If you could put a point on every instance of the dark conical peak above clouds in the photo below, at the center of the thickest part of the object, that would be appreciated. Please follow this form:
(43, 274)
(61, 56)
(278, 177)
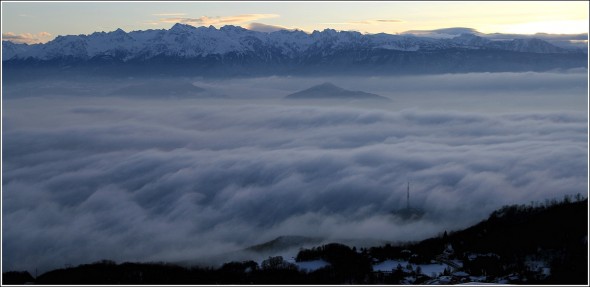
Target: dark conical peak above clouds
(330, 91)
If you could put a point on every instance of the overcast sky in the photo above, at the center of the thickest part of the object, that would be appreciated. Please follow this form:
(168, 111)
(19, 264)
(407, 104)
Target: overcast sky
(42, 21)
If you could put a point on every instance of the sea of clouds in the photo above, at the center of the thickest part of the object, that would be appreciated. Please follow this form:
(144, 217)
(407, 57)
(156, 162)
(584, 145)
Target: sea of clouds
(107, 177)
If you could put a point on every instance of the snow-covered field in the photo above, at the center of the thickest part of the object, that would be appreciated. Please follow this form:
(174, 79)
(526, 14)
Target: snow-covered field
(426, 269)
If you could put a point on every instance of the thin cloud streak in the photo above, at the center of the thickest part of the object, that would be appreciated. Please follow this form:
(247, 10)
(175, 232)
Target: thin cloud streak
(378, 21)
(367, 22)
(205, 20)
(27, 38)
(260, 27)
(169, 14)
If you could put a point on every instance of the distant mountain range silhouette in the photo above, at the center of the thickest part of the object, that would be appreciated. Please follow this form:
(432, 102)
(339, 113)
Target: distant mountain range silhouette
(235, 51)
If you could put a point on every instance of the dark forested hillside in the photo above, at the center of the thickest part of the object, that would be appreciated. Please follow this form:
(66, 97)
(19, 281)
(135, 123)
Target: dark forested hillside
(519, 244)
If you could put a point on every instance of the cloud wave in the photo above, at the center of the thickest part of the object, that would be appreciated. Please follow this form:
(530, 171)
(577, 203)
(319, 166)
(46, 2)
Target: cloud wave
(89, 178)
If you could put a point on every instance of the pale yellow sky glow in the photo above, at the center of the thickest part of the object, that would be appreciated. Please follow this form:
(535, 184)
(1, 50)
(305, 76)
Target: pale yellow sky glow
(551, 27)
(524, 17)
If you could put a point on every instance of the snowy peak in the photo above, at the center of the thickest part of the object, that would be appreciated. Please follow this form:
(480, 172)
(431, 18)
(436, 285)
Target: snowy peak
(185, 49)
(187, 41)
(11, 50)
(232, 29)
(471, 41)
(181, 28)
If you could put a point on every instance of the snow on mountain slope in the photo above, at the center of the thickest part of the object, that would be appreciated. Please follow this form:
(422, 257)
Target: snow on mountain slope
(11, 50)
(186, 41)
(532, 46)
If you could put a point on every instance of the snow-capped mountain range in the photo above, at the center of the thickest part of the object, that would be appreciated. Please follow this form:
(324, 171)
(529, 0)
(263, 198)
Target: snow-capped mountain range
(187, 41)
(232, 45)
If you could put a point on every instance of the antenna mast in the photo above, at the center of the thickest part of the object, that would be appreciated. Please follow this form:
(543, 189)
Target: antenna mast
(408, 197)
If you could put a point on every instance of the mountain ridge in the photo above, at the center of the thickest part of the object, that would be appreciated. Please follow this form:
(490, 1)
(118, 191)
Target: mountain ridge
(181, 40)
(233, 50)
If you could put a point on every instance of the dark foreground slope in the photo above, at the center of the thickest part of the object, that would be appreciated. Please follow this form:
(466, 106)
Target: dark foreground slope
(501, 249)
(553, 236)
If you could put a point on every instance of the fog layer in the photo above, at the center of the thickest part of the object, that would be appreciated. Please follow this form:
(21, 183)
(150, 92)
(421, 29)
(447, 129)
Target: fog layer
(129, 179)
